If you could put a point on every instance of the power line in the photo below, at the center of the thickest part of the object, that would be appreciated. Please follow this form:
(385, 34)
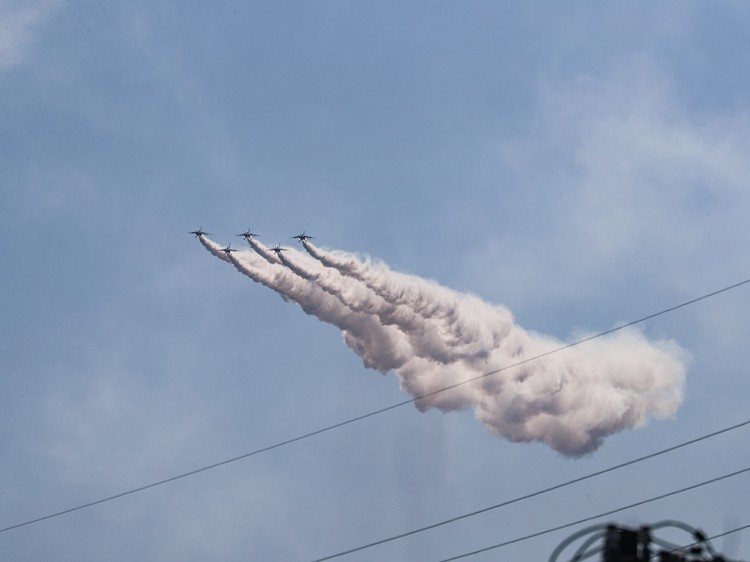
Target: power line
(702, 541)
(725, 533)
(534, 494)
(712, 537)
(597, 516)
(369, 414)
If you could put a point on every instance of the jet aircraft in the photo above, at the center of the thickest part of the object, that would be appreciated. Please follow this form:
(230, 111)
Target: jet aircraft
(247, 235)
(302, 237)
(278, 249)
(228, 250)
(199, 232)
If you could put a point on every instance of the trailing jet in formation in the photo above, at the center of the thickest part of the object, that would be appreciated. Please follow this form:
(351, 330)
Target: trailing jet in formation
(302, 237)
(199, 232)
(278, 249)
(247, 235)
(228, 250)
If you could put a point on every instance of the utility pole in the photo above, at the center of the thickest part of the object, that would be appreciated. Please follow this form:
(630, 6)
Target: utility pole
(627, 545)
(617, 543)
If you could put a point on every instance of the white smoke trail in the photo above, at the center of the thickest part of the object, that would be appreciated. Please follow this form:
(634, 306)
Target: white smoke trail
(380, 347)
(264, 252)
(215, 249)
(570, 400)
(426, 337)
(456, 315)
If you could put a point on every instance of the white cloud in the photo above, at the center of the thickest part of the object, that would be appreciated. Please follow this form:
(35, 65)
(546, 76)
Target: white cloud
(19, 24)
(627, 178)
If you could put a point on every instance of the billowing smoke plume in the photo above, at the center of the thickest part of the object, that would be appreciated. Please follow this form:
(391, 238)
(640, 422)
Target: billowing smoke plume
(434, 338)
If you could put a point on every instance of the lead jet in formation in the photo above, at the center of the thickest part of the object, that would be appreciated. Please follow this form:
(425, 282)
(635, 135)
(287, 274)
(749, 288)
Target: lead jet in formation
(199, 232)
(302, 237)
(247, 235)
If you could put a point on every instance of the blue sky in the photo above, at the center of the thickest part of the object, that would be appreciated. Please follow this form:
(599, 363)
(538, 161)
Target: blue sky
(583, 166)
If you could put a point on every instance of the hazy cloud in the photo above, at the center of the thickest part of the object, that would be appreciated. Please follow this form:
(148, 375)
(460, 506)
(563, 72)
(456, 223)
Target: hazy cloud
(19, 25)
